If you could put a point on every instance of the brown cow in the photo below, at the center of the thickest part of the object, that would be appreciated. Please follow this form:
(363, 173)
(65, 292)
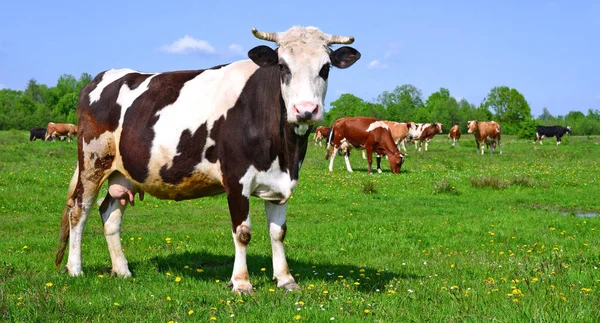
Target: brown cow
(399, 132)
(454, 134)
(321, 133)
(486, 133)
(61, 129)
(428, 133)
(364, 133)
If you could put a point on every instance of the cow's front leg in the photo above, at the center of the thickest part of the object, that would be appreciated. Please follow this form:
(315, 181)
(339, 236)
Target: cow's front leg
(347, 159)
(277, 230)
(241, 230)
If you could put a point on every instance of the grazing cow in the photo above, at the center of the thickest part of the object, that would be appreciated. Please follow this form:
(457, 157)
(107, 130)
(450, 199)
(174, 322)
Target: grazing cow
(550, 131)
(419, 132)
(454, 134)
(61, 129)
(240, 129)
(363, 133)
(321, 133)
(486, 133)
(399, 132)
(37, 133)
(428, 133)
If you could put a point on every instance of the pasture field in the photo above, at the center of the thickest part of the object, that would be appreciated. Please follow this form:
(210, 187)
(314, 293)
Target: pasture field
(455, 237)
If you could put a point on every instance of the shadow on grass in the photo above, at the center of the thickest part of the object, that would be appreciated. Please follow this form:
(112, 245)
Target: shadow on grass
(219, 266)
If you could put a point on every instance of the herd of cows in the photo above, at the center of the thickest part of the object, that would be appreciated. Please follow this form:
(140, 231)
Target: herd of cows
(386, 138)
(64, 131)
(241, 129)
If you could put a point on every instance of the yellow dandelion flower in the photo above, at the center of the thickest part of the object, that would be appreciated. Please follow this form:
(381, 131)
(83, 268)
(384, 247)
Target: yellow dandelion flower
(271, 290)
(177, 279)
(25, 247)
(49, 284)
(168, 274)
(200, 270)
(297, 317)
(452, 266)
(263, 269)
(301, 302)
(325, 292)
(534, 279)
(190, 312)
(367, 311)
(217, 281)
(168, 298)
(213, 318)
(356, 283)
(116, 304)
(516, 300)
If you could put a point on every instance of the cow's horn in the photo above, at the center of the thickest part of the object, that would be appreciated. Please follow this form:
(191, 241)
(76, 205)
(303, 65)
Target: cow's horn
(265, 35)
(341, 40)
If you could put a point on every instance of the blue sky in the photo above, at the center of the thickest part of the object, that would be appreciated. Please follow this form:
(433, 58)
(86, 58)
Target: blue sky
(548, 50)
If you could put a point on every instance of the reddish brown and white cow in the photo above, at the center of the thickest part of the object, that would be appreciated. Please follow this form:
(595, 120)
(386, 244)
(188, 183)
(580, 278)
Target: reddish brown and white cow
(60, 129)
(399, 132)
(419, 132)
(322, 132)
(486, 133)
(363, 133)
(454, 134)
(239, 129)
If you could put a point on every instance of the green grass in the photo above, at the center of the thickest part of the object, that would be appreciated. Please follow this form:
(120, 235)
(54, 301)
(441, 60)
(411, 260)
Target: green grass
(438, 242)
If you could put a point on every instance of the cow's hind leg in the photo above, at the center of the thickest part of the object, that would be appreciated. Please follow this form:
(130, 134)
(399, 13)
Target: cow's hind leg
(120, 192)
(79, 205)
(276, 221)
(347, 159)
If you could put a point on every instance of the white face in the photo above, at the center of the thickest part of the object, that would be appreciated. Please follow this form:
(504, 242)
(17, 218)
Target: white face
(304, 73)
(472, 124)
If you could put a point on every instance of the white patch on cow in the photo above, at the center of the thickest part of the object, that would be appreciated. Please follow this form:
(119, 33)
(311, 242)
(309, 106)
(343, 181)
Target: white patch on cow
(127, 95)
(377, 124)
(272, 185)
(301, 129)
(108, 77)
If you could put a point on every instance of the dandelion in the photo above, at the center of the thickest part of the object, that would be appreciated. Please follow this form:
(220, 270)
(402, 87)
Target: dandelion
(301, 303)
(297, 317)
(49, 284)
(271, 290)
(213, 318)
(25, 247)
(116, 304)
(356, 283)
(367, 311)
(190, 312)
(516, 300)
(452, 266)
(168, 298)
(263, 269)
(534, 279)
(325, 292)
(177, 279)
(200, 270)
(217, 281)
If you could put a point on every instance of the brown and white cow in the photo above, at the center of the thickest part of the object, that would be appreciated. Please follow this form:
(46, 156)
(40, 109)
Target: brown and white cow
(399, 132)
(322, 132)
(60, 129)
(239, 129)
(363, 133)
(454, 134)
(419, 132)
(486, 133)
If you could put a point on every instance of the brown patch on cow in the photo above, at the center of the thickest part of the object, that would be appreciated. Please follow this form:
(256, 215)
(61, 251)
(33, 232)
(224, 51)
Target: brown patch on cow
(104, 162)
(198, 184)
(283, 232)
(243, 234)
(189, 154)
(75, 215)
(140, 118)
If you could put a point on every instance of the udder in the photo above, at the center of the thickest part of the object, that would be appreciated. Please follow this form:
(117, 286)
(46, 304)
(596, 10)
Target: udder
(122, 189)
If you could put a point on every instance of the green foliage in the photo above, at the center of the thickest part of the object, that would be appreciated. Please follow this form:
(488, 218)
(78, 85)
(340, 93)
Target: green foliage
(509, 105)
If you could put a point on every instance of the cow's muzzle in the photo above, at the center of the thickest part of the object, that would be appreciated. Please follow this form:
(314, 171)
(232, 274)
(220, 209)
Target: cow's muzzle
(306, 112)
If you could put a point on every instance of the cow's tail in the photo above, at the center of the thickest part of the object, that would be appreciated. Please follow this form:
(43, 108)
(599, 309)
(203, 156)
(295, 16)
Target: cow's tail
(63, 236)
(329, 144)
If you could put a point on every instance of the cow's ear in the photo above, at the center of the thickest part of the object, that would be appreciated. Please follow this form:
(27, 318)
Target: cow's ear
(263, 56)
(344, 57)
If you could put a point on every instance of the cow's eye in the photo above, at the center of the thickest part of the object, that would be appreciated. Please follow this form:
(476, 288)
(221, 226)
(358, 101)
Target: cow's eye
(324, 72)
(284, 68)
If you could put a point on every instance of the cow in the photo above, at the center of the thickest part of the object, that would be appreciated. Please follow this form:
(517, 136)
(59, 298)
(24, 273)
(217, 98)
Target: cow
(37, 133)
(241, 129)
(322, 132)
(550, 131)
(419, 132)
(399, 132)
(61, 129)
(454, 134)
(363, 133)
(486, 132)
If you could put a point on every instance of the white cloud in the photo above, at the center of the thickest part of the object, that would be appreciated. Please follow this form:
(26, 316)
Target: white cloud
(237, 50)
(377, 65)
(188, 45)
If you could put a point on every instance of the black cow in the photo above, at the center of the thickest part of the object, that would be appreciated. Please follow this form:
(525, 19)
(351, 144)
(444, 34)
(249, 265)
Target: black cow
(239, 129)
(37, 133)
(550, 131)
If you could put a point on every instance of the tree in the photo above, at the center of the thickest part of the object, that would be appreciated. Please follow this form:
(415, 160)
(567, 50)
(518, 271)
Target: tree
(546, 116)
(347, 105)
(401, 103)
(442, 108)
(509, 105)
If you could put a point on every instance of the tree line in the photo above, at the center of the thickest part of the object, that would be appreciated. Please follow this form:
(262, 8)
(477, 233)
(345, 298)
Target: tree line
(38, 104)
(503, 104)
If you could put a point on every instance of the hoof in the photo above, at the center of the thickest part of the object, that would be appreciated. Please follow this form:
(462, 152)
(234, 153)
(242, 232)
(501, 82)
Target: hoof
(125, 274)
(242, 288)
(290, 286)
